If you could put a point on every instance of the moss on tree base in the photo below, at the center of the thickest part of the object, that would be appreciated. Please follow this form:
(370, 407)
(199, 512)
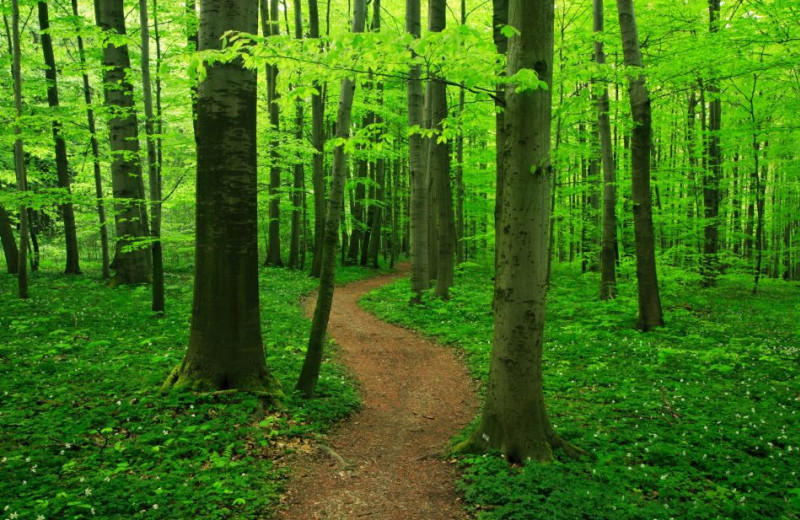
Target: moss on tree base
(263, 384)
(540, 451)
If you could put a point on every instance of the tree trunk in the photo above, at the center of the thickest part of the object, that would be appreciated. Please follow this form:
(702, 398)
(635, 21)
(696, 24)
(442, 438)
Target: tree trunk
(62, 163)
(19, 154)
(500, 20)
(608, 241)
(271, 27)
(152, 164)
(514, 420)
(10, 249)
(318, 141)
(132, 262)
(298, 173)
(98, 176)
(650, 314)
(225, 346)
(309, 374)
(420, 273)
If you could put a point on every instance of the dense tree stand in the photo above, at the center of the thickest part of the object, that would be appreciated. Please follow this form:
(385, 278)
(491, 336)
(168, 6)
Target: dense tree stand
(225, 346)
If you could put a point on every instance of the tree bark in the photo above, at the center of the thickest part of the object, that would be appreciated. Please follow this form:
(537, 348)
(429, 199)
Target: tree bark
(299, 172)
(10, 249)
(271, 27)
(318, 141)
(514, 420)
(225, 346)
(650, 314)
(420, 274)
(62, 163)
(19, 154)
(709, 262)
(309, 374)
(132, 262)
(608, 241)
(154, 175)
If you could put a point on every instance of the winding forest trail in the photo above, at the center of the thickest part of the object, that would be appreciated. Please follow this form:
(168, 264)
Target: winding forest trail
(380, 464)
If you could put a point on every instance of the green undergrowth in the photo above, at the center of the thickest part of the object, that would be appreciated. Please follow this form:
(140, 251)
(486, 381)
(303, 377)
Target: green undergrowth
(85, 432)
(699, 419)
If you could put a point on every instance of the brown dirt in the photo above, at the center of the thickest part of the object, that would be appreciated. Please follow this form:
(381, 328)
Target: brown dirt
(382, 463)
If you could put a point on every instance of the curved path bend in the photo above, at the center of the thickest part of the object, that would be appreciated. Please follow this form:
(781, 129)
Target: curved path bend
(380, 464)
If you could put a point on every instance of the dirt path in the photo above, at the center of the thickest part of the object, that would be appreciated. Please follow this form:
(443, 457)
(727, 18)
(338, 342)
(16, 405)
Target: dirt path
(416, 396)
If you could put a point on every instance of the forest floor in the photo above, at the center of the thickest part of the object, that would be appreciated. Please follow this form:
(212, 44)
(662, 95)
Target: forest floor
(384, 463)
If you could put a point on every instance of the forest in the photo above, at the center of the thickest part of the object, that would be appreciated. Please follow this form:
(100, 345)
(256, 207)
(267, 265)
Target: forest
(507, 259)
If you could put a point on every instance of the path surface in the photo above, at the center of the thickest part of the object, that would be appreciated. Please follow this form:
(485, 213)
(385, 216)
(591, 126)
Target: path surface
(416, 396)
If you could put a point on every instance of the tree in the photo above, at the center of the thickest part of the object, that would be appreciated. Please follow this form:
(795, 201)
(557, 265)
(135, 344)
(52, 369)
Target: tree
(10, 250)
(650, 314)
(419, 211)
(514, 419)
(225, 347)
(442, 237)
(709, 263)
(309, 375)
(318, 141)
(132, 261)
(98, 177)
(153, 166)
(19, 153)
(62, 163)
(270, 26)
(298, 179)
(608, 241)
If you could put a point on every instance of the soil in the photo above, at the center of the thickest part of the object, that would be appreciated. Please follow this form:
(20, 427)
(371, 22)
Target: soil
(383, 463)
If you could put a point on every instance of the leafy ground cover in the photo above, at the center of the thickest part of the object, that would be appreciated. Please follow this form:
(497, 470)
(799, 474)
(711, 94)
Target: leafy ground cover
(696, 420)
(85, 432)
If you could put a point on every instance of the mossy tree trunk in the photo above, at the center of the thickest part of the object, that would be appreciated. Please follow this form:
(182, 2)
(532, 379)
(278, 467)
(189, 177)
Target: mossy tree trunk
(62, 163)
(309, 375)
(225, 345)
(132, 262)
(514, 420)
(650, 314)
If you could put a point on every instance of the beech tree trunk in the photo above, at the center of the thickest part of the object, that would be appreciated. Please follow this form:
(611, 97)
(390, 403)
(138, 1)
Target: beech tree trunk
(309, 374)
(19, 154)
(132, 262)
(225, 346)
(650, 314)
(98, 176)
(62, 163)
(420, 274)
(514, 420)
(709, 262)
(271, 27)
(318, 141)
(153, 166)
(298, 173)
(10, 249)
(439, 167)
(608, 240)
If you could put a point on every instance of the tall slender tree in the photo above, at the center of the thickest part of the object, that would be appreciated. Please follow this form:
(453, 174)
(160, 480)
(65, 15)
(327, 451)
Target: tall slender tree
(650, 314)
(98, 174)
(309, 375)
(225, 346)
(153, 164)
(419, 211)
(514, 419)
(132, 261)
(270, 23)
(297, 195)
(19, 153)
(608, 240)
(318, 142)
(62, 163)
